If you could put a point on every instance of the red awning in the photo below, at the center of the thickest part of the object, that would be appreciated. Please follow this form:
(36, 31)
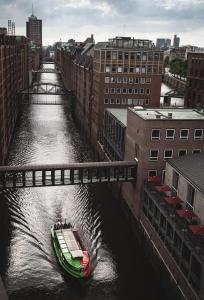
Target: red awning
(173, 200)
(197, 229)
(186, 213)
(162, 188)
(155, 179)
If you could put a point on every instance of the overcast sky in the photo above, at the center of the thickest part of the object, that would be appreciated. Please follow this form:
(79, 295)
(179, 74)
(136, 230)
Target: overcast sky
(64, 19)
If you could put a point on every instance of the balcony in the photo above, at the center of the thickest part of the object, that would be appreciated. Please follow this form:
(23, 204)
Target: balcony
(178, 228)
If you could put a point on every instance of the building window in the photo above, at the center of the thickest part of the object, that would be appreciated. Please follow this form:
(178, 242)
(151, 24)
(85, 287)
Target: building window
(136, 80)
(148, 91)
(198, 134)
(120, 55)
(132, 55)
(184, 134)
(146, 101)
(106, 90)
(107, 69)
(182, 152)
(135, 101)
(118, 91)
(114, 68)
(112, 91)
(148, 80)
(168, 153)
(107, 79)
(190, 196)
(131, 80)
(108, 54)
(129, 102)
(170, 134)
(117, 101)
(112, 101)
(142, 80)
(175, 181)
(152, 173)
(137, 69)
(124, 101)
(141, 101)
(106, 101)
(130, 91)
(153, 154)
(113, 80)
(143, 69)
(138, 55)
(125, 69)
(120, 69)
(114, 55)
(126, 55)
(155, 135)
(119, 80)
(124, 91)
(136, 91)
(141, 91)
(196, 151)
(131, 69)
(163, 176)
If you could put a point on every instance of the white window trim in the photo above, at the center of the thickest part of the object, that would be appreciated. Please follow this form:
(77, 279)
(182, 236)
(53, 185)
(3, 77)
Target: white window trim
(153, 138)
(153, 158)
(198, 138)
(171, 152)
(196, 150)
(182, 150)
(169, 138)
(184, 138)
(107, 79)
(156, 172)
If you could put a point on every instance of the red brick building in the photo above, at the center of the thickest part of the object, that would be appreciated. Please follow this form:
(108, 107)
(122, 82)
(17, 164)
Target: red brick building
(119, 73)
(195, 81)
(13, 77)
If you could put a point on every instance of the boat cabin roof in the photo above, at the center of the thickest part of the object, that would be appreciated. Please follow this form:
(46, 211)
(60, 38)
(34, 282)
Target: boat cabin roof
(67, 241)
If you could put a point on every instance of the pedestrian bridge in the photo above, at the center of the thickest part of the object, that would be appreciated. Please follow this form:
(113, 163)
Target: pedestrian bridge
(46, 88)
(47, 70)
(67, 174)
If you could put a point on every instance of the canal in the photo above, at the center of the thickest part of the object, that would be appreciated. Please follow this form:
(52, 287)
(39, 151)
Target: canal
(47, 134)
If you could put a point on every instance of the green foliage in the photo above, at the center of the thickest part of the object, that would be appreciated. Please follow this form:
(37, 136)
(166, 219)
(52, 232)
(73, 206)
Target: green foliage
(178, 67)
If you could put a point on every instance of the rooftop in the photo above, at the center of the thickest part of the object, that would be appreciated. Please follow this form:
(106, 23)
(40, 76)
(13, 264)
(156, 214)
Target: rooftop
(192, 168)
(120, 114)
(168, 113)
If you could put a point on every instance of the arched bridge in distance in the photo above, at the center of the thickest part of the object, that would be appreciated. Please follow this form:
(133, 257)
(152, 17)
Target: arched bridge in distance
(67, 174)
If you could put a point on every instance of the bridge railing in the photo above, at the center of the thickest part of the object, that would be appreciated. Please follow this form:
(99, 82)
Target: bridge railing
(79, 173)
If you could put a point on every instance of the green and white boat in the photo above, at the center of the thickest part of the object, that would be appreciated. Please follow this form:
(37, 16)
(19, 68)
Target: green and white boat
(71, 253)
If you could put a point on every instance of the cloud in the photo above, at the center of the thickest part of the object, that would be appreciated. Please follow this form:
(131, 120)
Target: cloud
(107, 17)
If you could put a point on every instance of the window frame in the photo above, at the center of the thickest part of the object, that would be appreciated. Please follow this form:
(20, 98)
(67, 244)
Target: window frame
(155, 158)
(182, 150)
(199, 138)
(156, 172)
(170, 138)
(156, 139)
(172, 153)
(184, 138)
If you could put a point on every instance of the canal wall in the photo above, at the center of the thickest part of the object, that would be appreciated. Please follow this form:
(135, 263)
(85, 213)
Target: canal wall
(174, 82)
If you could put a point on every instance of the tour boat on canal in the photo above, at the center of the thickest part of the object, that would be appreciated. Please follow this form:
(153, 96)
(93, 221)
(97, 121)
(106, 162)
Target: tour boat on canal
(70, 251)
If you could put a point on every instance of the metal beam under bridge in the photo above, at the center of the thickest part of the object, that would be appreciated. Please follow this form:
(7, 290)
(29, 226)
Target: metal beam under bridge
(67, 174)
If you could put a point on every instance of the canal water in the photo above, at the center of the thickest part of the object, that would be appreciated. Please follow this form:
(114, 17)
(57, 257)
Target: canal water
(47, 134)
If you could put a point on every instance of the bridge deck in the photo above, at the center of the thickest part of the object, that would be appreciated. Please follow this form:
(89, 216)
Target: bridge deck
(67, 174)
